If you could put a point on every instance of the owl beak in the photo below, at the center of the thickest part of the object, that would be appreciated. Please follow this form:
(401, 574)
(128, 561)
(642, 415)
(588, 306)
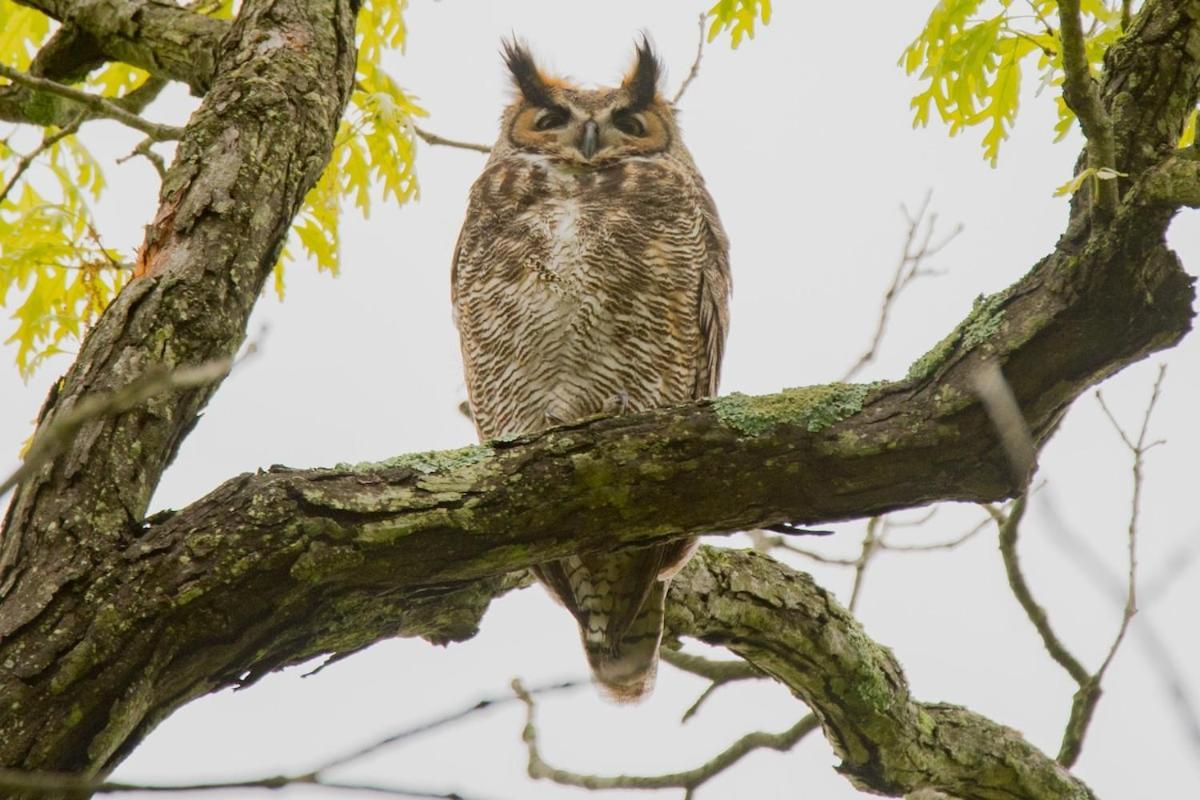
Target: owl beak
(591, 139)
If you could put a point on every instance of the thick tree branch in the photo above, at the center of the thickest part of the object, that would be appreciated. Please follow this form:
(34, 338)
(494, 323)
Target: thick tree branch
(164, 39)
(783, 623)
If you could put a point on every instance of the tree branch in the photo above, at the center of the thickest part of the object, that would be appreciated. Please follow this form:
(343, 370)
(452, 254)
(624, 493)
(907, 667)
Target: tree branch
(917, 248)
(687, 779)
(164, 39)
(694, 71)
(1083, 96)
(101, 106)
(433, 139)
(783, 623)
(1009, 525)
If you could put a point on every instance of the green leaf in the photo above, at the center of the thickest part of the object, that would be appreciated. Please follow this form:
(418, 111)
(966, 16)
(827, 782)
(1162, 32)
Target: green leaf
(738, 17)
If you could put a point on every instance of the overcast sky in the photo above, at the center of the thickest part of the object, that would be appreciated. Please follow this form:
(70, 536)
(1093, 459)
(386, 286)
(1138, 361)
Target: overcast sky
(805, 138)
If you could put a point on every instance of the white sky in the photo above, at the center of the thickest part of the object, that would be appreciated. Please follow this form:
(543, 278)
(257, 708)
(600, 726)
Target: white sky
(804, 136)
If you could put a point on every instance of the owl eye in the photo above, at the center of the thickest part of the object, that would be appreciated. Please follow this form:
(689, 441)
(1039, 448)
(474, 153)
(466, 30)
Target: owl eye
(628, 123)
(551, 118)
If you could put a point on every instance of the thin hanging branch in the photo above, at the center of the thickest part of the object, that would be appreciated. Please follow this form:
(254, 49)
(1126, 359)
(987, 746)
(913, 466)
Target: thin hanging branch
(688, 779)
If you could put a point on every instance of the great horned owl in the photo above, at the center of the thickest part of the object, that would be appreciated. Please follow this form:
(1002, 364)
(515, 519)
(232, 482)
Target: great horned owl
(592, 276)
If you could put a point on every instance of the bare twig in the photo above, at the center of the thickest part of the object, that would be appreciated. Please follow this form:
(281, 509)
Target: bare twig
(908, 269)
(870, 545)
(51, 440)
(718, 673)
(72, 786)
(1083, 96)
(688, 779)
(433, 138)
(101, 106)
(1088, 695)
(1009, 525)
(949, 544)
(990, 385)
(1176, 685)
(484, 704)
(26, 161)
(765, 542)
(57, 783)
(695, 69)
(1084, 702)
(144, 150)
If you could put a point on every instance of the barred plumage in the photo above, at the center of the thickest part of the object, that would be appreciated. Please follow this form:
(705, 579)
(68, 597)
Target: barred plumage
(591, 277)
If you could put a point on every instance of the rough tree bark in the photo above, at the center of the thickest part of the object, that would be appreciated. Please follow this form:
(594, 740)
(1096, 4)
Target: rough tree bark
(110, 621)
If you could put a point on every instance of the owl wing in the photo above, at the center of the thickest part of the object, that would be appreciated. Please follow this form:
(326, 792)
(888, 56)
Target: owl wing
(715, 286)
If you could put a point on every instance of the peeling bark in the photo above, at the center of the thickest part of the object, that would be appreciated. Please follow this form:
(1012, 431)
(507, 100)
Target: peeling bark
(110, 621)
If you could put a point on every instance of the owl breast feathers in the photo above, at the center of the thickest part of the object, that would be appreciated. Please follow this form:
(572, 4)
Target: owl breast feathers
(592, 277)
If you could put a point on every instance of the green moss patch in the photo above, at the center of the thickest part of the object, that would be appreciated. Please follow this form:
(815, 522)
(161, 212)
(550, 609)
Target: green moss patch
(813, 408)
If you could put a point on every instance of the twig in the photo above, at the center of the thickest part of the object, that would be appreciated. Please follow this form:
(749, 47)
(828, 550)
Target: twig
(764, 542)
(144, 150)
(695, 70)
(718, 673)
(1175, 684)
(688, 779)
(870, 544)
(721, 671)
(73, 786)
(50, 441)
(949, 544)
(1083, 96)
(433, 138)
(99, 105)
(1084, 702)
(47, 782)
(1089, 694)
(27, 160)
(993, 390)
(908, 269)
(440, 722)
(1009, 525)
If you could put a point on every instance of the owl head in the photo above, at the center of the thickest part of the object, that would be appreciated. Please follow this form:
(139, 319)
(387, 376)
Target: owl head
(586, 127)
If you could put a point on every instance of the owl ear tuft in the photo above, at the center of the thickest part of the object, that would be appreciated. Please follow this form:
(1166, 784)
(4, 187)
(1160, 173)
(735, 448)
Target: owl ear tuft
(642, 80)
(525, 74)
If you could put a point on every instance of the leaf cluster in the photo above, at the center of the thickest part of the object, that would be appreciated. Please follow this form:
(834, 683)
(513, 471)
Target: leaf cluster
(738, 17)
(971, 55)
(56, 274)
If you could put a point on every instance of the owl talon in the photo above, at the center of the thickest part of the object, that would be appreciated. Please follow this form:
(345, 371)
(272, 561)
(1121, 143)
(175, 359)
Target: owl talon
(618, 404)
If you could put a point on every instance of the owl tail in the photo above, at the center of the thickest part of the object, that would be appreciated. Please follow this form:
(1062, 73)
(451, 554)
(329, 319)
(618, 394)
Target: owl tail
(619, 601)
(624, 665)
